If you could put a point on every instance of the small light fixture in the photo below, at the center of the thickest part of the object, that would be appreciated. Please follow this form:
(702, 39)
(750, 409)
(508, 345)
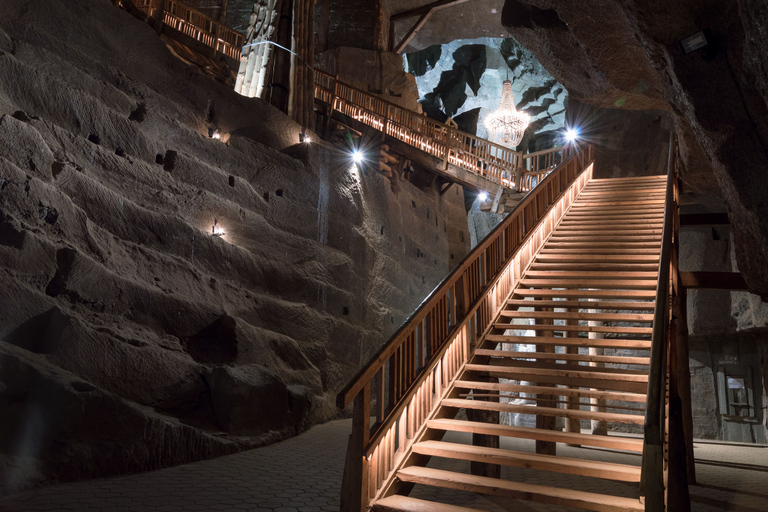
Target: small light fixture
(695, 42)
(571, 135)
(217, 230)
(305, 138)
(482, 196)
(357, 156)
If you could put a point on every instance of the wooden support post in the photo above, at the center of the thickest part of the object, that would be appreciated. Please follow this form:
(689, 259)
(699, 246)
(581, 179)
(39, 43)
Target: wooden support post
(598, 404)
(574, 402)
(354, 486)
(159, 16)
(223, 11)
(487, 441)
(323, 25)
(545, 422)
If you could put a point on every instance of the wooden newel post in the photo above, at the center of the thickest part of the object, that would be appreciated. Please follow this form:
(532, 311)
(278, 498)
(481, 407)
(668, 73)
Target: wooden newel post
(354, 485)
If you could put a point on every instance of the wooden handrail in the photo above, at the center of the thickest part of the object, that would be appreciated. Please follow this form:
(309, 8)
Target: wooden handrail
(411, 371)
(491, 161)
(654, 429)
(196, 25)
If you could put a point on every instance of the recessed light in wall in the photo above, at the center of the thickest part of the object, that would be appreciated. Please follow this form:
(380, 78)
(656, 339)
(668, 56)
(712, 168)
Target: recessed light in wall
(217, 230)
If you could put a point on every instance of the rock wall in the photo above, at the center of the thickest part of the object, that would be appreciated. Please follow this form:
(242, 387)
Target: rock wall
(131, 336)
(627, 54)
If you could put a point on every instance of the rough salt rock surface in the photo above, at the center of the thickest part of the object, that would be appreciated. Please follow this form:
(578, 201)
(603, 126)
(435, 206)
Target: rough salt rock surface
(130, 337)
(626, 54)
(467, 75)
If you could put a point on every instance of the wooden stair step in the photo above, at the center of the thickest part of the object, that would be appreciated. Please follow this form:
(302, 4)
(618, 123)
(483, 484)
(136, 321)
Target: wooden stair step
(555, 436)
(641, 258)
(607, 317)
(535, 461)
(607, 230)
(564, 357)
(609, 442)
(567, 366)
(518, 490)
(553, 391)
(591, 274)
(609, 238)
(570, 372)
(576, 379)
(596, 265)
(572, 342)
(602, 284)
(575, 328)
(589, 294)
(601, 250)
(397, 503)
(482, 405)
(576, 304)
(615, 224)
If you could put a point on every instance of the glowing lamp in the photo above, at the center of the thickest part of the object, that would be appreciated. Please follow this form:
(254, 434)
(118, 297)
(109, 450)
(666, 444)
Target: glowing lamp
(304, 137)
(572, 134)
(217, 230)
(357, 156)
(483, 196)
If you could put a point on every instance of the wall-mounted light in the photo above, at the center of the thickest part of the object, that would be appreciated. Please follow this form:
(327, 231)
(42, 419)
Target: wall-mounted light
(217, 230)
(482, 196)
(305, 138)
(357, 156)
(702, 40)
(694, 42)
(572, 134)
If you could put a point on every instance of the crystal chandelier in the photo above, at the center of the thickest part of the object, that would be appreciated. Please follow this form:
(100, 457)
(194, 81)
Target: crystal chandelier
(506, 126)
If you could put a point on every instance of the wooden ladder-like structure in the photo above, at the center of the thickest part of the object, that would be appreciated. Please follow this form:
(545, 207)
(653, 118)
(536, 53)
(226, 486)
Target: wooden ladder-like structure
(586, 304)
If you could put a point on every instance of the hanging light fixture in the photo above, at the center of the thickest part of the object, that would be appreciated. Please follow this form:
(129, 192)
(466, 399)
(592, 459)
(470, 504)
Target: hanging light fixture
(507, 125)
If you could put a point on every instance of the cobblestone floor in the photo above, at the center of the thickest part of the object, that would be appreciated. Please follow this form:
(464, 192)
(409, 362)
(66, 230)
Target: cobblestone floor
(303, 474)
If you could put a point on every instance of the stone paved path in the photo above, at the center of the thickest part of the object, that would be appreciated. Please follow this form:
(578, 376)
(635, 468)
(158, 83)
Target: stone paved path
(303, 474)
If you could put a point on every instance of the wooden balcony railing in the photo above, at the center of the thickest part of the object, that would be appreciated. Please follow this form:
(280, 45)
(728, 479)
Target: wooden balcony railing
(411, 373)
(196, 25)
(486, 159)
(535, 166)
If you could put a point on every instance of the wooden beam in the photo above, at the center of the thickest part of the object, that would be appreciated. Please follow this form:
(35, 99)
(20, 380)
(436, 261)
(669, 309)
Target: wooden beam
(440, 4)
(704, 219)
(732, 281)
(414, 29)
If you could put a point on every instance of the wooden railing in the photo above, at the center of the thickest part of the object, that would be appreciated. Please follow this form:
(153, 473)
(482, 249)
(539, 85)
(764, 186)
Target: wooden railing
(411, 373)
(486, 159)
(196, 25)
(664, 472)
(535, 166)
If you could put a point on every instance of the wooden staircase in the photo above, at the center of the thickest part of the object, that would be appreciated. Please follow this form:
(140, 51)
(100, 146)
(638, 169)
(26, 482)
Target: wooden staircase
(586, 304)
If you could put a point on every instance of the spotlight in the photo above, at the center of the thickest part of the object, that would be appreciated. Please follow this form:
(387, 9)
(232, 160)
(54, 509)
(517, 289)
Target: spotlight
(482, 196)
(304, 137)
(357, 156)
(572, 134)
(217, 230)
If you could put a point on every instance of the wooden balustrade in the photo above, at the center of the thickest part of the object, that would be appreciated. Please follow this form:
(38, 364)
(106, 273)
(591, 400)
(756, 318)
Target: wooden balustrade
(196, 25)
(664, 471)
(489, 160)
(536, 166)
(411, 373)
